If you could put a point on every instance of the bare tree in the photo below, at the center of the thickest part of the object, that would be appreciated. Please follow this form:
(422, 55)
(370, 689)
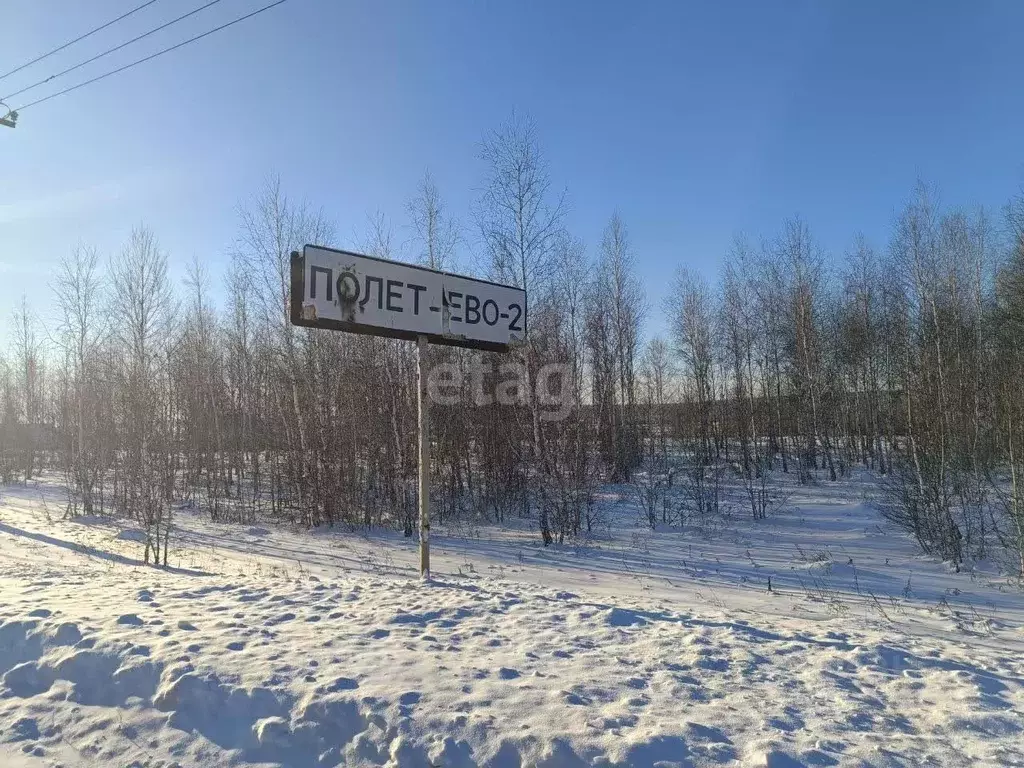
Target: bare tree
(520, 224)
(691, 320)
(804, 263)
(436, 232)
(271, 228)
(143, 309)
(27, 354)
(82, 325)
(10, 440)
(618, 281)
(741, 331)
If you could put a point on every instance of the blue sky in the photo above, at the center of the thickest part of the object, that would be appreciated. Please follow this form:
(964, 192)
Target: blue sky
(694, 121)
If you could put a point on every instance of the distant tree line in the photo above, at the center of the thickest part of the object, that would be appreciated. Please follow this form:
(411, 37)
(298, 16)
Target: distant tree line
(906, 359)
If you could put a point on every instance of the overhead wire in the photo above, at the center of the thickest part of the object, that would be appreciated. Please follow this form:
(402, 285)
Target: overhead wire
(109, 51)
(60, 48)
(151, 56)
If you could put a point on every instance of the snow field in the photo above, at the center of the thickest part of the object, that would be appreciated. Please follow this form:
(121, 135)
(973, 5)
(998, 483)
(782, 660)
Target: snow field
(362, 671)
(262, 646)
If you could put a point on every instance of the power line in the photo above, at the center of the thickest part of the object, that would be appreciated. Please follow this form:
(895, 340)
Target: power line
(109, 51)
(151, 56)
(81, 37)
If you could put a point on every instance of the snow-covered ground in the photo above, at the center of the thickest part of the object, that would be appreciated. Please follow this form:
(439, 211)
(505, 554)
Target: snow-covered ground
(268, 646)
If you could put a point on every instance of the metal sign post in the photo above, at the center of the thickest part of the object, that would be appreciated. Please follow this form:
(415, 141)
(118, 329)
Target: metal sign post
(423, 410)
(345, 291)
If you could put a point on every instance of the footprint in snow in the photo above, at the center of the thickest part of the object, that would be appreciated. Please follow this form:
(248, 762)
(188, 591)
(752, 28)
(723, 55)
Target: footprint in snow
(236, 646)
(186, 625)
(506, 673)
(621, 617)
(406, 703)
(251, 597)
(342, 684)
(130, 619)
(784, 724)
(66, 633)
(712, 664)
(410, 697)
(25, 729)
(708, 733)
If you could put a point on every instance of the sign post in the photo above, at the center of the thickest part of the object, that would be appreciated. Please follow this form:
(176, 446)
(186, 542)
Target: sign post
(345, 291)
(423, 410)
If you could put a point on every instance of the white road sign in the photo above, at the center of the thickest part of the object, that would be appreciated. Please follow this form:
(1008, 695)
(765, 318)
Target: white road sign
(362, 294)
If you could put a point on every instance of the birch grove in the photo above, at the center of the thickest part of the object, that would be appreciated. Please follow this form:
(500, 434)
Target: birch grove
(903, 359)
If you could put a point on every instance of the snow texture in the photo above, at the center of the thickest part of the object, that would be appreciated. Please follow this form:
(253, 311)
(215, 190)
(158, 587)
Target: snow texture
(262, 646)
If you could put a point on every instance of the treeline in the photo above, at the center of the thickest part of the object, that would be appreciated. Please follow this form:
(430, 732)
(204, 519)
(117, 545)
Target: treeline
(906, 360)
(903, 357)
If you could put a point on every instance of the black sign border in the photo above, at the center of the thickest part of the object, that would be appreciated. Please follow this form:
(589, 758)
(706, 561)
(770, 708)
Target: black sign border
(298, 297)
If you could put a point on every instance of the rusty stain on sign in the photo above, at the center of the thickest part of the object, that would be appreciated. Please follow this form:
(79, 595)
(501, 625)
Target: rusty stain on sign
(309, 312)
(348, 293)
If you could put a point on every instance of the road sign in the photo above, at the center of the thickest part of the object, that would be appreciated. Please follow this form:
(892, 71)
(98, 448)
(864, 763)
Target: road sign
(347, 291)
(344, 291)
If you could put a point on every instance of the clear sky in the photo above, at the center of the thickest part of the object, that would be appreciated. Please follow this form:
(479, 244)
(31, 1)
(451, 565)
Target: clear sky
(694, 121)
